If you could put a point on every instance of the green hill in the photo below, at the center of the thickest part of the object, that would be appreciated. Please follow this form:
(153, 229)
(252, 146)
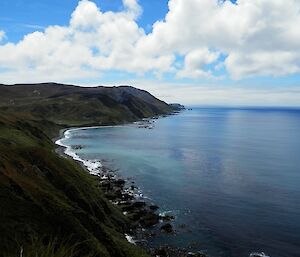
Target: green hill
(77, 106)
(44, 195)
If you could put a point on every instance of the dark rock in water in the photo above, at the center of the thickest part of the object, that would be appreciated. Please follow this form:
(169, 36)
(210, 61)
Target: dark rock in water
(120, 182)
(167, 228)
(154, 207)
(149, 219)
(77, 147)
(138, 204)
(132, 187)
(135, 207)
(167, 217)
(126, 197)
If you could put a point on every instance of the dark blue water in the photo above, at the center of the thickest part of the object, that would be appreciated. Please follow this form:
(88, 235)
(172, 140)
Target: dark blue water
(231, 176)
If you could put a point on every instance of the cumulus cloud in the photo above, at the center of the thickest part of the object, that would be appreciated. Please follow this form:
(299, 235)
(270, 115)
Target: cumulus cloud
(257, 38)
(195, 61)
(133, 7)
(94, 42)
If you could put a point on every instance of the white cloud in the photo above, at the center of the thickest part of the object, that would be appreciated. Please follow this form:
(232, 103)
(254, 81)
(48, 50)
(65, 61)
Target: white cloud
(2, 35)
(258, 37)
(195, 61)
(94, 42)
(266, 63)
(133, 7)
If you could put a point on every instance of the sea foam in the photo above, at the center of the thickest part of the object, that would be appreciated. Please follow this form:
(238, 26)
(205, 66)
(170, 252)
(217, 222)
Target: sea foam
(130, 239)
(93, 166)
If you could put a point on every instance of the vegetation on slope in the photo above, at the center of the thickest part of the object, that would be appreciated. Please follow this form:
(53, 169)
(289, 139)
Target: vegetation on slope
(77, 106)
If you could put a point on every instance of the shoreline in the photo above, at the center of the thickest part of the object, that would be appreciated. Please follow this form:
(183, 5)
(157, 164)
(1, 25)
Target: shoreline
(95, 167)
(143, 214)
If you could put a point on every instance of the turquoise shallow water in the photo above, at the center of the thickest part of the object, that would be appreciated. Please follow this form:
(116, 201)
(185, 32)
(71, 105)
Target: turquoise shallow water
(231, 176)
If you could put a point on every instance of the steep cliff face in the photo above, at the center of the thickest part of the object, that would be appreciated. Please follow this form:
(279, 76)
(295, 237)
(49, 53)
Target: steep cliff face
(44, 194)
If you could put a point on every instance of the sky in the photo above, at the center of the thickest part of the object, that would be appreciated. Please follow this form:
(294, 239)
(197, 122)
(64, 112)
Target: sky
(196, 52)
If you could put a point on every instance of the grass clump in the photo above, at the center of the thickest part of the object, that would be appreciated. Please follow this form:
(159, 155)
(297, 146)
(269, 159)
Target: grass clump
(49, 248)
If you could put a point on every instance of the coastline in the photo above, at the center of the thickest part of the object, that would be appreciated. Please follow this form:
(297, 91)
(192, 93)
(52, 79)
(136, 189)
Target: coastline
(43, 188)
(138, 235)
(145, 220)
(96, 168)
(61, 148)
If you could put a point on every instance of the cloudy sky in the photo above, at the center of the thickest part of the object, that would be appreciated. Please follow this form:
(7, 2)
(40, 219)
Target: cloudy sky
(203, 52)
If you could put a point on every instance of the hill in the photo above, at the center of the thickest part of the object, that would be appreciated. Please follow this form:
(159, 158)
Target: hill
(44, 195)
(78, 106)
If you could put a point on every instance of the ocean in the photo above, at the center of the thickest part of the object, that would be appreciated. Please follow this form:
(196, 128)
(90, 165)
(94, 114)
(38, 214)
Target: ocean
(231, 176)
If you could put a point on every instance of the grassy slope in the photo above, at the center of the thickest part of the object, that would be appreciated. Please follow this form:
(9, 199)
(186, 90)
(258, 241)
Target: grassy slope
(44, 194)
(76, 106)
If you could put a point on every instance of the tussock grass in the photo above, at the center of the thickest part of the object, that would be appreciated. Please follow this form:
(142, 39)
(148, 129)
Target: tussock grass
(50, 248)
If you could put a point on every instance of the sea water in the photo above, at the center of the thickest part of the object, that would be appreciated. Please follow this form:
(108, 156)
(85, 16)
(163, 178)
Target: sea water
(230, 176)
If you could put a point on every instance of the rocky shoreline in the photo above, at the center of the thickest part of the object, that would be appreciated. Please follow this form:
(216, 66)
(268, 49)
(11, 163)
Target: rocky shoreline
(143, 215)
(145, 219)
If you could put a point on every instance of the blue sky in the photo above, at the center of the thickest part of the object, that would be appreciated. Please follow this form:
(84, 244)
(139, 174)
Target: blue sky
(191, 51)
(20, 17)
